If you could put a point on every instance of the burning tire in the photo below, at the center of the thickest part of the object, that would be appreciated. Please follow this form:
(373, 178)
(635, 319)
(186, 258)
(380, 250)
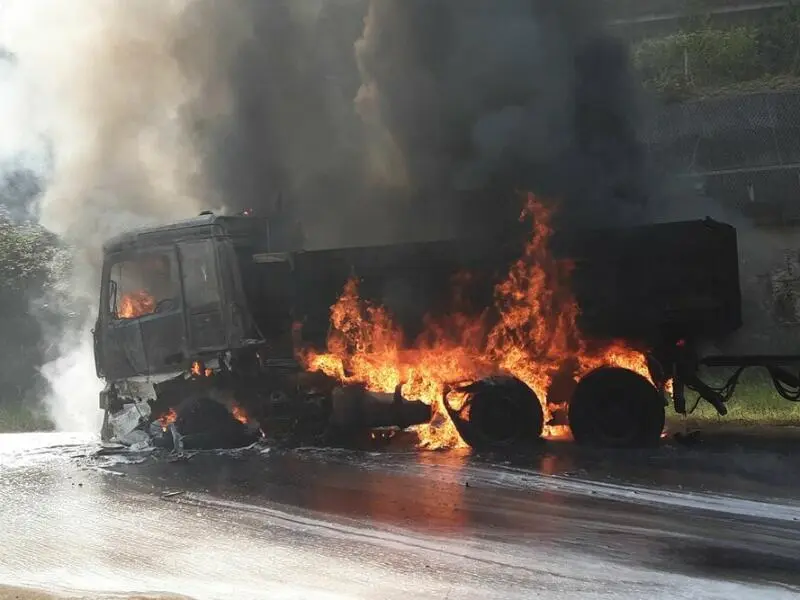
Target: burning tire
(205, 424)
(501, 412)
(616, 408)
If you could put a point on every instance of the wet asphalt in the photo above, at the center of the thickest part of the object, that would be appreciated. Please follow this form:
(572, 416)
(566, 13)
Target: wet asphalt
(717, 518)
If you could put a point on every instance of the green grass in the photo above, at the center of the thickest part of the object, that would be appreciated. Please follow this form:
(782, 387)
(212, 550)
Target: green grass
(754, 402)
(701, 61)
(15, 419)
(768, 83)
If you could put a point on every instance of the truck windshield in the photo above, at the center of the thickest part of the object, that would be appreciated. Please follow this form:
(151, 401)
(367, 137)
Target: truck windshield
(143, 286)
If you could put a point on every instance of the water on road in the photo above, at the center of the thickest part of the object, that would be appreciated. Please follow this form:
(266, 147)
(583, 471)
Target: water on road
(334, 524)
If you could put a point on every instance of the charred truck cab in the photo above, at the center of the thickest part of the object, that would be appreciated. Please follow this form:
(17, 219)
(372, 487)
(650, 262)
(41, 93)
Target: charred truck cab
(195, 328)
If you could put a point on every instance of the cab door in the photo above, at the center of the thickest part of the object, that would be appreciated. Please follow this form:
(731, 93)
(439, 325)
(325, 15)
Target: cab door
(203, 296)
(143, 324)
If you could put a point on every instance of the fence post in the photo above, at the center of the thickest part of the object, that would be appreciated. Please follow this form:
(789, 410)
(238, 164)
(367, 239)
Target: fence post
(686, 64)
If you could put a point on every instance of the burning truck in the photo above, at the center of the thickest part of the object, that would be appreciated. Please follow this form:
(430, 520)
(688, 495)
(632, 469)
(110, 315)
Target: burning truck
(214, 332)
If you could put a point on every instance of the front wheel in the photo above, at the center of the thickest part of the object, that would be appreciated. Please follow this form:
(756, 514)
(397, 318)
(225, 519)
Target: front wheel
(616, 408)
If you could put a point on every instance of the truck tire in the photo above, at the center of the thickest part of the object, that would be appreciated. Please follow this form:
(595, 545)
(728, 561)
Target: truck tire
(205, 424)
(503, 412)
(616, 408)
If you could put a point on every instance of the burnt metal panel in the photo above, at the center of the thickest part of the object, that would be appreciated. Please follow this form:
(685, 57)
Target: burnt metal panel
(207, 331)
(202, 227)
(654, 282)
(164, 342)
(146, 346)
(203, 296)
(411, 280)
(646, 283)
(123, 350)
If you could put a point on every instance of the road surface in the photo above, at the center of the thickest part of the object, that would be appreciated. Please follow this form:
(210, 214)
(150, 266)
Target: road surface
(677, 522)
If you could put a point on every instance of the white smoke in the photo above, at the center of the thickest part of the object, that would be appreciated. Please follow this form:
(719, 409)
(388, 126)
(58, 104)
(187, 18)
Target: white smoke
(145, 111)
(21, 143)
(97, 80)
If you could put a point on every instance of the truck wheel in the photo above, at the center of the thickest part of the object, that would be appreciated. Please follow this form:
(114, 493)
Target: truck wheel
(205, 424)
(503, 412)
(616, 408)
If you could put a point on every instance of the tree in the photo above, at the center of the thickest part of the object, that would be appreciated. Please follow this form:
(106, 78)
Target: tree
(31, 262)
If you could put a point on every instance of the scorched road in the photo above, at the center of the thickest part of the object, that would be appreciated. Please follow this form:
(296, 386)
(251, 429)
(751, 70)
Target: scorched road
(677, 522)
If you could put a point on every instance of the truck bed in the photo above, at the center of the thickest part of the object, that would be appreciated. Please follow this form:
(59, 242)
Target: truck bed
(651, 283)
(658, 282)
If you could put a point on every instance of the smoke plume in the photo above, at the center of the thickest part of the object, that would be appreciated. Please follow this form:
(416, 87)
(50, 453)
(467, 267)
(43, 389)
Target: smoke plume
(136, 113)
(102, 87)
(467, 99)
(368, 121)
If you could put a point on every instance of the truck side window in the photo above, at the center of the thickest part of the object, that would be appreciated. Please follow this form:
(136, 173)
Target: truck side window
(199, 267)
(142, 286)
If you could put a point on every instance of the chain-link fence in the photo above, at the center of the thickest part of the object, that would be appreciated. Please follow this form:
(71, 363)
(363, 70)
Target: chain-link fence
(746, 150)
(631, 9)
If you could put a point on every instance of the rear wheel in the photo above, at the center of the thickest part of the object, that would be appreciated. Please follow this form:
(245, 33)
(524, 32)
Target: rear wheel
(502, 412)
(617, 408)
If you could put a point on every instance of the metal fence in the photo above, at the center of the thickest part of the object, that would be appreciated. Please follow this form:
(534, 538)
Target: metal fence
(636, 19)
(745, 150)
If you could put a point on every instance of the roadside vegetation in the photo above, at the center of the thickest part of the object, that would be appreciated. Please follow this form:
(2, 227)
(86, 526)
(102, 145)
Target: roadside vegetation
(30, 260)
(755, 403)
(701, 60)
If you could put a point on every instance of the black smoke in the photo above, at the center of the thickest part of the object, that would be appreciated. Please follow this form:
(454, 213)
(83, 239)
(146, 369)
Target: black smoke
(288, 135)
(480, 99)
(377, 120)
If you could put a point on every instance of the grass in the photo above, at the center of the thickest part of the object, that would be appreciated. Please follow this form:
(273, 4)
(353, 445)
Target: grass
(18, 418)
(768, 83)
(755, 402)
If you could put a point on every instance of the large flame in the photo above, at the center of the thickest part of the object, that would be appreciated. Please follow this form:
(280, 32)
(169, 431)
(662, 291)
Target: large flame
(534, 338)
(136, 304)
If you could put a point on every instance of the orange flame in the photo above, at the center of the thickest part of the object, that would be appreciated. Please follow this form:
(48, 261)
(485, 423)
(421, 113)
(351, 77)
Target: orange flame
(167, 419)
(239, 414)
(198, 370)
(535, 338)
(136, 304)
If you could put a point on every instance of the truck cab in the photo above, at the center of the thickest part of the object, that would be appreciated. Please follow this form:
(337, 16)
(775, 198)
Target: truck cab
(173, 295)
(199, 314)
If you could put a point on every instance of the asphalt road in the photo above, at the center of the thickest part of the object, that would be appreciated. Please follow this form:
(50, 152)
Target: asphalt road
(717, 521)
